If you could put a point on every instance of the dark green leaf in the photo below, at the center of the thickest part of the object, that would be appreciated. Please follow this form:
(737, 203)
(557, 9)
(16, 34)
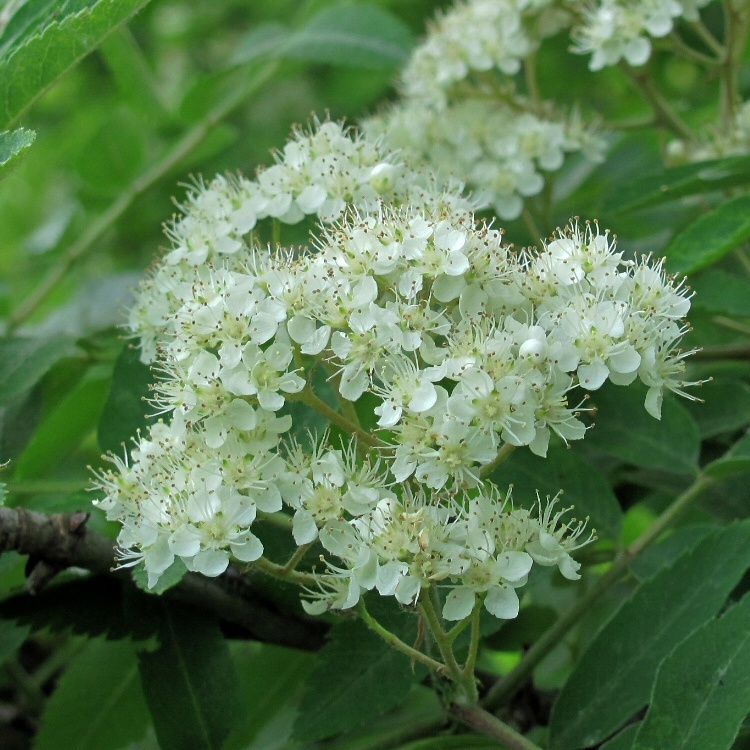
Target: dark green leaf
(725, 407)
(720, 292)
(669, 184)
(92, 606)
(659, 556)
(583, 485)
(126, 411)
(190, 681)
(735, 461)
(45, 38)
(61, 431)
(13, 145)
(357, 679)
(11, 638)
(702, 690)
(361, 35)
(625, 430)
(622, 740)
(612, 680)
(23, 362)
(711, 237)
(98, 703)
(270, 679)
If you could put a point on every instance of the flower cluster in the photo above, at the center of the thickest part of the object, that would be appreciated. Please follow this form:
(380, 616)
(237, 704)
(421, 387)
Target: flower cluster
(461, 116)
(408, 325)
(615, 30)
(500, 149)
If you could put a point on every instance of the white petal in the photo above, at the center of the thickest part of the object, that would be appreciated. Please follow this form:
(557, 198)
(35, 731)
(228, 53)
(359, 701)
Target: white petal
(514, 565)
(210, 562)
(185, 541)
(304, 528)
(247, 547)
(502, 601)
(459, 603)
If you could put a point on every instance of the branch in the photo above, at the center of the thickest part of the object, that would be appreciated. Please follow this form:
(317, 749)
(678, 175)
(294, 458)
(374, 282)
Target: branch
(88, 240)
(484, 722)
(59, 541)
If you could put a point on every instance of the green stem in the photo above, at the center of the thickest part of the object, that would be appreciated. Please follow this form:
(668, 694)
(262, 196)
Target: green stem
(693, 54)
(502, 455)
(93, 233)
(476, 633)
(486, 723)
(531, 225)
(295, 559)
(532, 86)
(442, 641)
(507, 687)
(308, 397)
(710, 353)
(276, 233)
(665, 115)
(279, 571)
(281, 520)
(705, 34)
(456, 630)
(393, 640)
(735, 33)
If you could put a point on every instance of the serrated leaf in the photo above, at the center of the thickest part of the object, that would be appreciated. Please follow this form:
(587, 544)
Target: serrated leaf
(190, 681)
(735, 461)
(45, 38)
(612, 680)
(126, 411)
(665, 185)
(702, 690)
(720, 292)
(725, 407)
(61, 431)
(711, 237)
(98, 703)
(360, 35)
(358, 678)
(13, 145)
(583, 485)
(93, 606)
(23, 362)
(625, 430)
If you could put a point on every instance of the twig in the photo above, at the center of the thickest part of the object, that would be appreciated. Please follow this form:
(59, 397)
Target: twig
(87, 241)
(484, 722)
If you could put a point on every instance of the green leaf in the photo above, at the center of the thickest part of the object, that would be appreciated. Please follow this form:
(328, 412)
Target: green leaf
(665, 185)
(625, 430)
(270, 678)
(23, 362)
(657, 557)
(62, 431)
(725, 407)
(13, 145)
(126, 411)
(357, 679)
(353, 35)
(711, 237)
(702, 690)
(583, 485)
(12, 637)
(98, 703)
(622, 740)
(720, 292)
(93, 606)
(44, 39)
(264, 40)
(735, 461)
(612, 680)
(190, 681)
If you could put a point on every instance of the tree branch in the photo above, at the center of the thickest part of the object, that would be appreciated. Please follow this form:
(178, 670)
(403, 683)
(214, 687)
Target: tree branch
(59, 541)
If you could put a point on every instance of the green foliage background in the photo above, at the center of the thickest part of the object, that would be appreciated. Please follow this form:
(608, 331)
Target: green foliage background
(108, 105)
